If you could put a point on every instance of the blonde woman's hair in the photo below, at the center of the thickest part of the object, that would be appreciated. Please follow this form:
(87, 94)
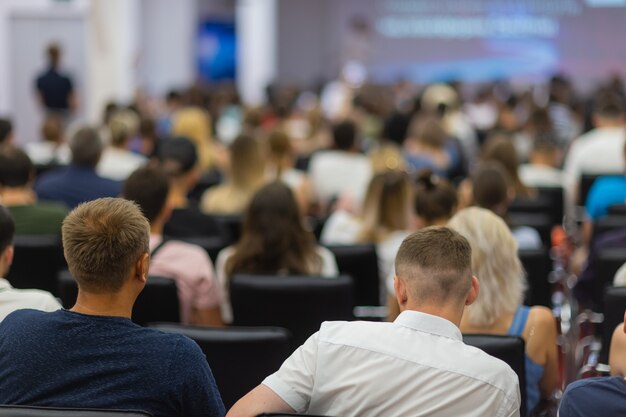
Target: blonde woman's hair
(247, 163)
(386, 207)
(494, 262)
(195, 124)
(387, 157)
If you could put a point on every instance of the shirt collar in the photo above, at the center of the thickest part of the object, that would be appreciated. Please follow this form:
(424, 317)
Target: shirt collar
(428, 323)
(5, 284)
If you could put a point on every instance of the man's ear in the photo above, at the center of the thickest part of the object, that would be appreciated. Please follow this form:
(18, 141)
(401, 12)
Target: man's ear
(473, 292)
(401, 291)
(141, 268)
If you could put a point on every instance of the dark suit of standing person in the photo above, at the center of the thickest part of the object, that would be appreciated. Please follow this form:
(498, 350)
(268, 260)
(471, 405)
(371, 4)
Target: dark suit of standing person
(93, 355)
(55, 89)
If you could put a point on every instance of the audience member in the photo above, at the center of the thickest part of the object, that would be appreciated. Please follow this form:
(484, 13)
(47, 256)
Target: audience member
(427, 147)
(342, 170)
(12, 299)
(386, 218)
(6, 131)
(281, 167)
(499, 148)
(178, 158)
(386, 157)
(491, 189)
(78, 182)
(602, 396)
(273, 241)
(117, 162)
(195, 123)
(246, 174)
(51, 150)
(599, 151)
(188, 264)
(542, 169)
(421, 357)
(498, 309)
(55, 89)
(32, 217)
(93, 355)
(435, 200)
(606, 192)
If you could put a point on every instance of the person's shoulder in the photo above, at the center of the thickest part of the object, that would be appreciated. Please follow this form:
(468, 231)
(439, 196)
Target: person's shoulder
(542, 315)
(597, 383)
(345, 331)
(185, 249)
(22, 318)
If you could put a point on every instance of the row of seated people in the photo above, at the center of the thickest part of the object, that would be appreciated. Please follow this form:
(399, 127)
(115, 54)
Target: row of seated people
(336, 372)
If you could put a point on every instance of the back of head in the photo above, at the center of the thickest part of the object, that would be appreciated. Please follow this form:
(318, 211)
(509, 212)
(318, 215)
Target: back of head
(52, 129)
(7, 229)
(499, 148)
(86, 146)
(123, 124)
(345, 135)
(439, 96)
(427, 131)
(609, 106)
(6, 128)
(247, 165)
(178, 156)
(102, 240)
(435, 263)
(193, 123)
(387, 206)
(386, 157)
(273, 238)
(490, 187)
(148, 187)
(16, 168)
(494, 262)
(279, 145)
(54, 55)
(435, 198)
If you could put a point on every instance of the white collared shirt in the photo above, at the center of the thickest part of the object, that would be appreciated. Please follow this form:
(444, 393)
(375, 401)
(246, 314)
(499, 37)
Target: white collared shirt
(12, 299)
(415, 366)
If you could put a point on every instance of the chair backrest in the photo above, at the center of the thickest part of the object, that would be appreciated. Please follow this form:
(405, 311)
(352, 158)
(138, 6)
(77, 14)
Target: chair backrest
(614, 307)
(586, 182)
(549, 200)
(36, 263)
(158, 302)
(232, 223)
(609, 261)
(607, 224)
(538, 221)
(618, 210)
(361, 263)
(239, 357)
(298, 303)
(510, 349)
(538, 265)
(31, 411)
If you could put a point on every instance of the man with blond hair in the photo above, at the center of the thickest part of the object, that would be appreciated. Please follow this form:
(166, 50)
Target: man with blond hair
(417, 365)
(93, 355)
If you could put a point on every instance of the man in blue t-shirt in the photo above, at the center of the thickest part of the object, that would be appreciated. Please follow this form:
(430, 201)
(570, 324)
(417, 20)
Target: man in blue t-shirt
(594, 397)
(93, 355)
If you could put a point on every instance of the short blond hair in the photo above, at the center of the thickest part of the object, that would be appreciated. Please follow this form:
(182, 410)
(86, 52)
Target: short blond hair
(102, 239)
(494, 262)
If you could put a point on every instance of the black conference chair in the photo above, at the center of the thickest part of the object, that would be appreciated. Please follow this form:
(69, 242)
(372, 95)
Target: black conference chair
(212, 245)
(609, 261)
(510, 349)
(549, 200)
(158, 302)
(239, 357)
(361, 263)
(538, 221)
(37, 262)
(608, 224)
(614, 307)
(586, 182)
(538, 266)
(31, 411)
(232, 224)
(298, 303)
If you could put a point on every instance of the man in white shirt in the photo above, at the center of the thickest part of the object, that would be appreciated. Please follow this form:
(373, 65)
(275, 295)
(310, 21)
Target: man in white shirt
(599, 151)
(541, 170)
(417, 365)
(343, 171)
(12, 299)
(117, 162)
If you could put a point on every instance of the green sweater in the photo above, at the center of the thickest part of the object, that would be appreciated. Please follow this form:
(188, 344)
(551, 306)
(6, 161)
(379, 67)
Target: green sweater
(43, 218)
